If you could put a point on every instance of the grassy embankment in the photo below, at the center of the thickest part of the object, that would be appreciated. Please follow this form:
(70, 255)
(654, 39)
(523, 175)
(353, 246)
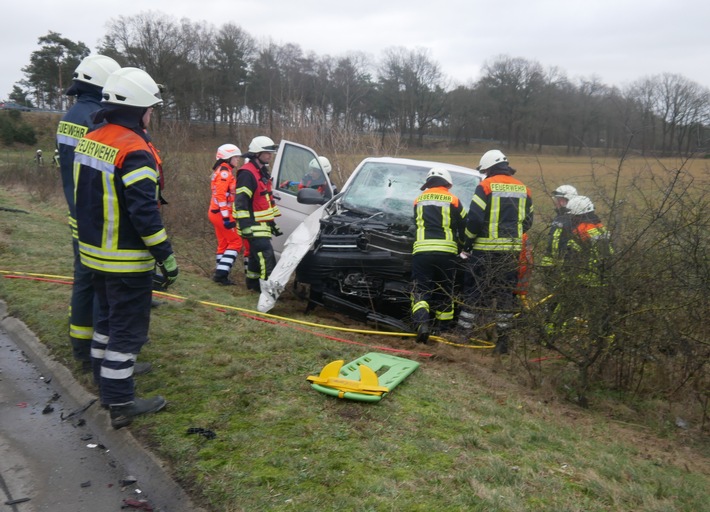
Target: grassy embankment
(464, 432)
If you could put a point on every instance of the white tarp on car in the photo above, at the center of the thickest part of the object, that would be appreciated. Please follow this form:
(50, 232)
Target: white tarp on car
(296, 247)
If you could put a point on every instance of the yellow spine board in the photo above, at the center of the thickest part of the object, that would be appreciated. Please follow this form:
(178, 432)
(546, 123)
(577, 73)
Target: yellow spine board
(330, 377)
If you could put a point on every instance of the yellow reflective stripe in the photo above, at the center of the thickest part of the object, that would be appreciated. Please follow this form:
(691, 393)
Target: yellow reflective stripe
(115, 254)
(262, 265)
(245, 190)
(94, 163)
(139, 174)
(81, 332)
(240, 214)
(509, 190)
(70, 133)
(446, 222)
(445, 315)
(494, 217)
(422, 304)
(261, 230)
(264, 216)
(435, 245)
(479, 202)
(556, 236)
(97, 155)
(420, 224)
(498, 244)
(109, 236)
(73, 227)
(117, 267)
(155, 239)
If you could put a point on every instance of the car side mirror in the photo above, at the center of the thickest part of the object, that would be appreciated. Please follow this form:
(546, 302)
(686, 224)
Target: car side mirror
(310, 196)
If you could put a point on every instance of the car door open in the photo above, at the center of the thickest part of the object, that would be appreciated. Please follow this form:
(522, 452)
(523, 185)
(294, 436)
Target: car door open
(296, 167)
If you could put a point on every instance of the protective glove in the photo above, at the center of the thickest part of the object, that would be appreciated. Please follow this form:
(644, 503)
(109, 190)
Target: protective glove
(275, 229)
(169, 269)
(229, 224)
(246, 233)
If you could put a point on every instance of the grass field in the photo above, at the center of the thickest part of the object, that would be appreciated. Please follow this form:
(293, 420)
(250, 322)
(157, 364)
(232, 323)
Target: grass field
(466, 431)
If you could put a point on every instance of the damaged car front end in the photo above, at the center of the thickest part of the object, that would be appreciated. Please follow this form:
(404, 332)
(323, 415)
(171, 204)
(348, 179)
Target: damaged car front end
(360, 262)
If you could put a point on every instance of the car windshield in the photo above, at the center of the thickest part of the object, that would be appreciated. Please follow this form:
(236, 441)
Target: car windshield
(392, 188)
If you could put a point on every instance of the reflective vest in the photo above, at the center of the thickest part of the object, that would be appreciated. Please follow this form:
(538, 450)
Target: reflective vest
(588, 251)
(438, 215)
(116, 189)
(559, 235)
(254, 206)
(224, 186)
(76, 123)
(501, 211)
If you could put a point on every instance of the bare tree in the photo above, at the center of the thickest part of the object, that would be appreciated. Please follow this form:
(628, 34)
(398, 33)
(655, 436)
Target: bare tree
(413, 86)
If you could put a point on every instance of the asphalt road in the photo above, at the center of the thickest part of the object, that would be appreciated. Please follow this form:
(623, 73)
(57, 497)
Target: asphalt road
(58, 452)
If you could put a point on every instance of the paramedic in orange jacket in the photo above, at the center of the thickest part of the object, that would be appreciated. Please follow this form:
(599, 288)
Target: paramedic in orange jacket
(229, 243)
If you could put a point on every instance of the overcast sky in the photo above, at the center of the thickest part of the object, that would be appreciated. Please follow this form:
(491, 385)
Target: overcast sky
(617, 41)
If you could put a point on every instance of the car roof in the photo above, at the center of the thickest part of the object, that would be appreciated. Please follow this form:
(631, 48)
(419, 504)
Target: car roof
(411, 161)
(421, 163)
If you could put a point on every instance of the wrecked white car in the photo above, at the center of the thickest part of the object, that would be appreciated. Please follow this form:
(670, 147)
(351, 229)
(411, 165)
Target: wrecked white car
(358, 246)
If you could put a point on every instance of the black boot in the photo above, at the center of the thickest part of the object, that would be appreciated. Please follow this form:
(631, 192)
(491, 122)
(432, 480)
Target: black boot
(501, 344)
(222, 278)
(122, 415)
(142, 368)
(423, 332)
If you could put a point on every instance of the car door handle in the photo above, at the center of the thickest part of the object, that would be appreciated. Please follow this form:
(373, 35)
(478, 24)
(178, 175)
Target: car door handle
(277, 197)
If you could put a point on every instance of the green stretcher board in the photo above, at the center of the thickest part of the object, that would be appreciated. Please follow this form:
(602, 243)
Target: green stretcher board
(367, 379)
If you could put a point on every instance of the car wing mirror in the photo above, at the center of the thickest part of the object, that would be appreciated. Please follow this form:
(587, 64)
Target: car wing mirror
(310, 196)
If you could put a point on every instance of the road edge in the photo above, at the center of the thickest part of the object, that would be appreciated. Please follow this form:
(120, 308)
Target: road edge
(166, 494)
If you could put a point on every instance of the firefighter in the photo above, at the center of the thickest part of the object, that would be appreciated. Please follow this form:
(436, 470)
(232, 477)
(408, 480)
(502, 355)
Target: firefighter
(560, 229)
(583, 269)
(89, 79)
(588, 250)
(315, 178)
(121, 235)
(255, 210)
(229, 243)
(501, 212)
(439, 218)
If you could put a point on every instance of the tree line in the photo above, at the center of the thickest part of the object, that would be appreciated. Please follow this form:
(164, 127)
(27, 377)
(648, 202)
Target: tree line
(221, 75)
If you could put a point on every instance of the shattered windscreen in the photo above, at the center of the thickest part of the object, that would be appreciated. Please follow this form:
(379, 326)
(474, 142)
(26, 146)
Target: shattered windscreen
(391, 188)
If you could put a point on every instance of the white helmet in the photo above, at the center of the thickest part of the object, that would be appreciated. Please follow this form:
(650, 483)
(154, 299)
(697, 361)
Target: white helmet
(325, 164)
(262, 144)
(320, 163)
(491, 158)
(227, 151)
(437, 172)
(565, 191)
(95, 69)
(131, 87)
(579, 205)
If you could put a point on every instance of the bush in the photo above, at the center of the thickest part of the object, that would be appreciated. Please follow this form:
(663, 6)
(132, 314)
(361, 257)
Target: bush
(13, 129)
(645, 332)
